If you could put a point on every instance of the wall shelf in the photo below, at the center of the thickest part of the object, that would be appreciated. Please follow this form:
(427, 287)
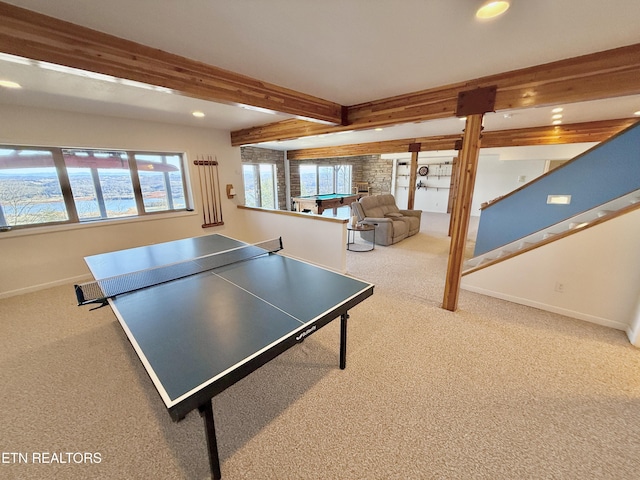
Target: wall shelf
(434, 185)
(431, 187)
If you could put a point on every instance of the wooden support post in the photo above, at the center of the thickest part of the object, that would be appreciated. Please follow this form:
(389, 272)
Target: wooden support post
(414, 148)
(467, 167)
(473, 104)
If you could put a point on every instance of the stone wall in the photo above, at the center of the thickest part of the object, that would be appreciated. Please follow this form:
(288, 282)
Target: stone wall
(364, 168)
(377, 171)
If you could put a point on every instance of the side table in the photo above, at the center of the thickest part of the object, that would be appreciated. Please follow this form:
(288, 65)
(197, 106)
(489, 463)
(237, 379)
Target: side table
(351, 237)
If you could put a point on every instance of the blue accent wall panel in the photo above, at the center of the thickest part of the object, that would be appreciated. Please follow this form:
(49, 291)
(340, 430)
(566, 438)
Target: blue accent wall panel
(603, 173)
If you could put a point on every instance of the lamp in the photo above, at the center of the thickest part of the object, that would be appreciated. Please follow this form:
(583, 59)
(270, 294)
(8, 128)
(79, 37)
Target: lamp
(231, 192)
(492, 8)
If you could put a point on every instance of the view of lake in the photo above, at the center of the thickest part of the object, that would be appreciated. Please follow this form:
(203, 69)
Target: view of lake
(36, 196)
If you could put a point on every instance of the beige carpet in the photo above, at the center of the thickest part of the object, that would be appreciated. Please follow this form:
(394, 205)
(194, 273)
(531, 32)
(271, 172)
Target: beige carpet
(493, 391)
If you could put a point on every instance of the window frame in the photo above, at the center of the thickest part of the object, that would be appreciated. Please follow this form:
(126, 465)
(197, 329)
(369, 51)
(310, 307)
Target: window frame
(257, 191)
(69, 202)
(334, 177)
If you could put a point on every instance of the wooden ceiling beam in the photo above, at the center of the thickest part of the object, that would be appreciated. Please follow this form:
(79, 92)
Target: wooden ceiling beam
(612, 73)
(547, 135)
(275, 131)
(39, 37)
(557, 134)
(32, 35)
(443, 142)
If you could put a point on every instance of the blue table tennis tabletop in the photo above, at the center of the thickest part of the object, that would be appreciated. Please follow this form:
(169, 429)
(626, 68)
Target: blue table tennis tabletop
(200, 334)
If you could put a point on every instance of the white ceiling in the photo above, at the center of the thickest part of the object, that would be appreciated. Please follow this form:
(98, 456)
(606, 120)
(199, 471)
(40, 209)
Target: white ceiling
(345, 51)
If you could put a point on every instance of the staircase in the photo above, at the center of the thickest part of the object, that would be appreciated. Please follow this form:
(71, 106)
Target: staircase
(570, 226)
(599, 184)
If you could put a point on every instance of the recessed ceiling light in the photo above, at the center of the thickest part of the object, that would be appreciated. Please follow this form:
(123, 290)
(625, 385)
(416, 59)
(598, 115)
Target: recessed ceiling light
(557, 116)
(378, 129)
(557, 122)
(492, 9)
(198, 114)
(637, 114)
(9, 84)
(557, 110)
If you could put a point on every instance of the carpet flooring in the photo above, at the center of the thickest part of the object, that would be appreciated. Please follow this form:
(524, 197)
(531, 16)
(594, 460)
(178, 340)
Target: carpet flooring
(493, 391)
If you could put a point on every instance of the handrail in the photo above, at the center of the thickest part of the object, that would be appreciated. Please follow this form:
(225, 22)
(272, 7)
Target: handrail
(554, 238)
(601, 174)
(568, 162)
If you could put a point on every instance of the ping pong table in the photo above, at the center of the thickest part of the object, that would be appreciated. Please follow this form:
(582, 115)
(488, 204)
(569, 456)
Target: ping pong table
(199, 334)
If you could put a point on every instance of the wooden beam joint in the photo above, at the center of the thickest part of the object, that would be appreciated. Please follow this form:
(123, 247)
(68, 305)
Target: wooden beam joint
(476, 102)
(344, 114)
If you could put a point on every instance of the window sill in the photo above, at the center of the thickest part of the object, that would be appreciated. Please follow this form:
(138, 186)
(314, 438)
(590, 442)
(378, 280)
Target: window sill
(22, 232)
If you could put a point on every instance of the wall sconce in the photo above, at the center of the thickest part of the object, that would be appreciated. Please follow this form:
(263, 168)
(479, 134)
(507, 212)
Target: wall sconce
(231, 192)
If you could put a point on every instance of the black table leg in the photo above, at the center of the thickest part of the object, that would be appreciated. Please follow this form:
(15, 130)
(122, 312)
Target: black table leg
(343, 340)
(206, 411)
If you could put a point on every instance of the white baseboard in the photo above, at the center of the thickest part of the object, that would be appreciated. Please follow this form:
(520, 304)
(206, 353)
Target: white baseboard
(550, 308)
(43, 286)
(634, 336)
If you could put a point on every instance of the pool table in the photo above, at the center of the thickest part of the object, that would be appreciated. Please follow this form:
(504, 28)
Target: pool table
(320, 203)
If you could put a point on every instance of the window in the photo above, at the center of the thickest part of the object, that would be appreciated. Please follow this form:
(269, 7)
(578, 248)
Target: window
(30, 189)
(343, 179)
(42, 186)
(100, 183)
(260, 188)
(161, 181)
(308, 180)
(324, 179)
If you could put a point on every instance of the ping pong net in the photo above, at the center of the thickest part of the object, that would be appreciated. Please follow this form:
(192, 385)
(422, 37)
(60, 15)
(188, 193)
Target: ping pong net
(99, 291)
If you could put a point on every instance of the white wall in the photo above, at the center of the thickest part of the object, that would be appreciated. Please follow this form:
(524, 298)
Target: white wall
(498, 177)
(435, 197)
(43, 257)
(34, 259)
(37, 258)
(319, 240)
(599, 269)
(495, 178)
(499, 172)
